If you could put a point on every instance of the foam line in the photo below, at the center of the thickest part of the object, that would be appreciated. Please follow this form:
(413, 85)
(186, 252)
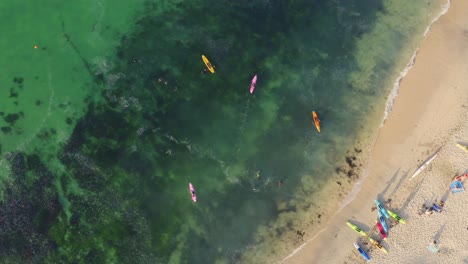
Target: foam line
(396, 86)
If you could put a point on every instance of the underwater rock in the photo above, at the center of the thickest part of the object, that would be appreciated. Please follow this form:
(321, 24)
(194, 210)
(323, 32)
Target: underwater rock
(13, 93)
(6, 130)
(18, 80)
(11, 118)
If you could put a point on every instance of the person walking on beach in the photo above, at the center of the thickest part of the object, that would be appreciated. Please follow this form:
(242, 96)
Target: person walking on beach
(433, 248)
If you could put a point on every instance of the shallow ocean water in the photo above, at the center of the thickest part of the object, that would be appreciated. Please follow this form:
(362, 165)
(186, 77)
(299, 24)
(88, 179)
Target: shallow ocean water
(106, 122)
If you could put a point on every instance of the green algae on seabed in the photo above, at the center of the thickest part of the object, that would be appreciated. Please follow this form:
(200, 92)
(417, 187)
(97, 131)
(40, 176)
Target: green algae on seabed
(42, 92)
(122, 175)
(53, 74)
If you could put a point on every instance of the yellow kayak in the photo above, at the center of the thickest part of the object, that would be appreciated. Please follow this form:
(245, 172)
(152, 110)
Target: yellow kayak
(465, 148)
(208, 64)
(377, 244)
(357, 229)
(397, 217)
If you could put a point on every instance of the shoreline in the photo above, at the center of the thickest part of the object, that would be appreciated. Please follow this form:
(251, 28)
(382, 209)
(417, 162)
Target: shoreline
(398, 138)
(393, 94)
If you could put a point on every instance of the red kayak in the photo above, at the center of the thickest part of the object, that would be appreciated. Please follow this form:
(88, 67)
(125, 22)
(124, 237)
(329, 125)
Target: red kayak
(381, 229)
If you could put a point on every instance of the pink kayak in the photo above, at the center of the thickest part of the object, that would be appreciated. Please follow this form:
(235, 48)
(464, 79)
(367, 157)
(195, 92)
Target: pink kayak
(253, 83)
(381, 229)
(192, 192)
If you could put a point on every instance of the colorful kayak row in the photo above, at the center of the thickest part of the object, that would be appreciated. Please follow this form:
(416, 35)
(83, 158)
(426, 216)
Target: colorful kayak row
(373, 242)
(381, 225)
(362, 233)
(363, 252)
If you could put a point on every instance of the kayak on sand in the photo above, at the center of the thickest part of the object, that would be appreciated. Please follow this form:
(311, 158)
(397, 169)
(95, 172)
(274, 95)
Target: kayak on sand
(465, 148)
(397, 217)
(382, 231)
(357, 229)
(381, 208)
(192, 192)
(378, 245)
(362, 252)
(382, 221)
(422, 167)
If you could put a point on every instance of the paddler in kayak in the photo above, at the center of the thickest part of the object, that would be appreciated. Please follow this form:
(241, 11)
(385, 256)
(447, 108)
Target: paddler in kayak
(208, 65)
(316, 120)
(280, 182)
(192, 192)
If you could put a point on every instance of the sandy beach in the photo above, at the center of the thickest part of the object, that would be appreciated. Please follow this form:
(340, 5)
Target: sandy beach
(429, 115)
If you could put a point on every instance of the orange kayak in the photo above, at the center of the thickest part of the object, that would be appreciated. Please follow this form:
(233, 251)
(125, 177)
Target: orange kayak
(316, 120)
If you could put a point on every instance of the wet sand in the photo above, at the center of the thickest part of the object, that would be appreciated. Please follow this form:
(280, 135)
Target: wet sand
(429, 114)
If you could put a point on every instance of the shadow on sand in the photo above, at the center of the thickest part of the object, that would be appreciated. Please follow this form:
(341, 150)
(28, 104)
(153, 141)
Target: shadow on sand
(389, 183)
(400, 182)
(411, 196)
(439, 233)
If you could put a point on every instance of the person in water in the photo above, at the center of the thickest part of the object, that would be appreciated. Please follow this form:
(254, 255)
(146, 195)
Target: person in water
(204, 71)
(280, 183)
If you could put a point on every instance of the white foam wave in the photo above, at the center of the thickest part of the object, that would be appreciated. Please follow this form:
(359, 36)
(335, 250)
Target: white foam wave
(444, 10)
(396, 86)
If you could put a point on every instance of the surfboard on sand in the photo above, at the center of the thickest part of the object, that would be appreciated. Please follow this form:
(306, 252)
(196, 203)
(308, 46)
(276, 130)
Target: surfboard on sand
(424, 165)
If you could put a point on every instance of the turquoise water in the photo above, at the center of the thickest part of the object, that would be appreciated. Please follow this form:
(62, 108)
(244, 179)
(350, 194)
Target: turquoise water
(107, 121)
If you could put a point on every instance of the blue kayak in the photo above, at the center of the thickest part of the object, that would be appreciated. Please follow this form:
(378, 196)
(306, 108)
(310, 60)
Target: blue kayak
(382, 209)
(382, 222)
(361, 251)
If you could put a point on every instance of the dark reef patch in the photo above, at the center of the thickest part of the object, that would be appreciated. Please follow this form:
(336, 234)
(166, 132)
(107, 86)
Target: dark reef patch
(44, 134)
(28, 210)
(6, 130)
(18, 80)
(11, 118)
(13, 93)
